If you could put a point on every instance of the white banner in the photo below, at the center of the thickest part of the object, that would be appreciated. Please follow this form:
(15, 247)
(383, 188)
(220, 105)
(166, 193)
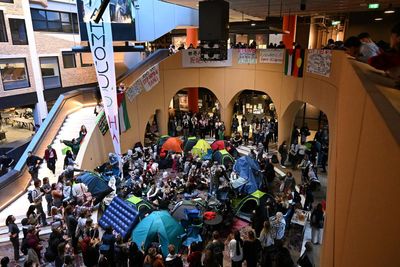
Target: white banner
(134, 90)
(271, 56)
(150, 78)
(319, 62)
(100, 40)
(191, 59)
(247, 56)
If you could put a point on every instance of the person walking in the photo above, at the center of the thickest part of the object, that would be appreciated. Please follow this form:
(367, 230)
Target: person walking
(283, 151)
(37, 195)
(236, 250)
(46, 188)
(50, 155)
(13, 231)
(33, 162)
(317, 224)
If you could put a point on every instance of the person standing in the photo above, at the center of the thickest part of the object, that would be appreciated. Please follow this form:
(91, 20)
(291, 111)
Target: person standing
(37, 195)
(267, 243)
(46, 188)
(50, 155)
(236, 250)
(246, 132)
(216, 247)
(33, 162)
(317, 224)
(13, 231)
(252, 250)
(235, 124)
(283, 151)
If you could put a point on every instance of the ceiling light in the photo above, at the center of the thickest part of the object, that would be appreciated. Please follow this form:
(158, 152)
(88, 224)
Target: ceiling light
(373, 6)
(390, 10)
(378, 19)
(253, 24)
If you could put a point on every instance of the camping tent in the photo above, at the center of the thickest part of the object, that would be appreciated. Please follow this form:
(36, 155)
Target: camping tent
(248, 169)
(121, 215)
(219, 145)
(223, 157)
(96, 184)
(162, 140)
(141, 205)
(201, 148)
(178, 212)
(172, 144)
(254, 201)
(159, 227)
(189, 143)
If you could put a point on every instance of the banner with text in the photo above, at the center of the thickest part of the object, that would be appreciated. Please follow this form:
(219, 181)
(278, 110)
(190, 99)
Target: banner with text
(319, 62)
(247, 56)
(191, 58)
(271, 56)
(101, 46)
(134, 90)
(150, 78)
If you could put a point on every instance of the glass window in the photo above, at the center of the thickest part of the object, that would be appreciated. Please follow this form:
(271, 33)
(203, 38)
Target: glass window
(69, 60)
(86, 59)
(53, 16)
(54, 21)
(18, 31)
(38, 14)
(3, 31)
(14, 73)
(65, 17)
(50, 72)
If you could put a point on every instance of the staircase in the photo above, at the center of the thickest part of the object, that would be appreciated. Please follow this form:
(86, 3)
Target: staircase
(69, 129)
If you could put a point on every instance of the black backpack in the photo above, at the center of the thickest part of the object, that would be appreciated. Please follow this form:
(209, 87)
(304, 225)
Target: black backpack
(30, 196)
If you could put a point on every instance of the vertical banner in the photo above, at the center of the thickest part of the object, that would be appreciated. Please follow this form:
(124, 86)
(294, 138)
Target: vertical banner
(100, 41)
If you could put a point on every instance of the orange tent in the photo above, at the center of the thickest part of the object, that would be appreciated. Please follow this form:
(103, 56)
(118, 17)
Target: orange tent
(173, 144)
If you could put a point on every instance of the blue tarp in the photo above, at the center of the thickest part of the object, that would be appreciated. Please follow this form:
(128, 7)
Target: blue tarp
(121, 216)
(249, 170)
(96, 184)
(158, 227)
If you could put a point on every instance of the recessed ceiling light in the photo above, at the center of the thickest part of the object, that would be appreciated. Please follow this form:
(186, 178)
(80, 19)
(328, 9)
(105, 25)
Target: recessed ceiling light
(253, 24)
(390, 10)
(378, 19)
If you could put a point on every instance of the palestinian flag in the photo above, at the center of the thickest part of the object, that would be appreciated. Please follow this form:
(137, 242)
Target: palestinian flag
(124, 123)
(294, 62)
(298, 63)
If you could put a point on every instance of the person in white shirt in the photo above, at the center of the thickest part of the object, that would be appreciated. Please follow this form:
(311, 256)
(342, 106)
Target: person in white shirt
(78, 190)
(236, 250)
(368, 48)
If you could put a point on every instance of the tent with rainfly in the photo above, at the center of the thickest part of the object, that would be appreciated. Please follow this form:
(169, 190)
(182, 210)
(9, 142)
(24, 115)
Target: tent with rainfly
(158, 227)
(223, 157)
(97, 185)
(201, 148)
(172, 144)
(248, 169)
(189, 143)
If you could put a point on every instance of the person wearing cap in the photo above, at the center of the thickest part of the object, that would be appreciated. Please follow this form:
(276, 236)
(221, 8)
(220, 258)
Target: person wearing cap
(50, 155)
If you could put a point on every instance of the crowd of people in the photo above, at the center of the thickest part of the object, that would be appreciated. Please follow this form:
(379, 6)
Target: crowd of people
(163, 179)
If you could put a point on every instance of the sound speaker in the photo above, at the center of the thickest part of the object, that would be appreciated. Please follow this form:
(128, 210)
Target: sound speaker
(213, 20)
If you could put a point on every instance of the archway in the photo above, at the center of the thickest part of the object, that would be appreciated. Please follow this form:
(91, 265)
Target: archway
(254, 116)
(192, 112)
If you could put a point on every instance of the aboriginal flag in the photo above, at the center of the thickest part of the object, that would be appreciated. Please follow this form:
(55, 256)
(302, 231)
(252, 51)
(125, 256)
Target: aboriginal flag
(294, 62)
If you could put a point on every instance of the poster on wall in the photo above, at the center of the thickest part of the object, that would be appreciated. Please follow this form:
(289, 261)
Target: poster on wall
(134, 90)
(101, 46)
(191, 58)
(247, 56)
(150, 78)
(122, 17)
(319, 62)
(102, 123)
(271, 56)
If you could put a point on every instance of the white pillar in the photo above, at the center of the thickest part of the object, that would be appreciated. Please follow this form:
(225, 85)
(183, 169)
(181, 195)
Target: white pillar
(41, 106)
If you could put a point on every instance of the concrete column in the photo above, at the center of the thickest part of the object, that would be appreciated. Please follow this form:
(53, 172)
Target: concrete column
(192, 36)
(289, 24)
(41, 106)
(313, 36)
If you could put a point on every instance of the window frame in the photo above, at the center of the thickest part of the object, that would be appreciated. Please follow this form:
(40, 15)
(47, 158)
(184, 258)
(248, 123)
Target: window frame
(59, 71)
(26, 72)
(11, 31)
(7, 1)
(3, 20)
(74, 27)
(68, 53)
(84, 65)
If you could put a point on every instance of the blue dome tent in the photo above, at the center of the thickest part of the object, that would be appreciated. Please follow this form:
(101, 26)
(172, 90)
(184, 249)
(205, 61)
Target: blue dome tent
(158, 227)
(249, 170)
(97, 185)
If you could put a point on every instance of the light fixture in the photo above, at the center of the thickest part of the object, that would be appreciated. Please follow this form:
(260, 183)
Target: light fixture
(390, 10)
(253, 24)
(335, 22)
(378, 19)
(373, 6)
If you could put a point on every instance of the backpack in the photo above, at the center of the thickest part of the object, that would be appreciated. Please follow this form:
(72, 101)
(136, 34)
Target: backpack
(30, 196)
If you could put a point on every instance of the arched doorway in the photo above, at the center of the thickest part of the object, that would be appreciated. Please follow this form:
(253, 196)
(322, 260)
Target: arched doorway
(193, 112)
(254, 117)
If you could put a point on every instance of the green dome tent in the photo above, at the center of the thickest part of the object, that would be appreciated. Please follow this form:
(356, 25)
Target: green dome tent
(141, 205)
(201, 148)
(159, 227)
(189, 143)
(223, 157)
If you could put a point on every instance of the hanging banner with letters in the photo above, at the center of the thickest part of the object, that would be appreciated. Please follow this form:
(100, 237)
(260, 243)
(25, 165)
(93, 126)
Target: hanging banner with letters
(247, 56)
(191, 58)
(101, 46)
(271, 56)
(319, 61)
(150, 78)
(134, 90)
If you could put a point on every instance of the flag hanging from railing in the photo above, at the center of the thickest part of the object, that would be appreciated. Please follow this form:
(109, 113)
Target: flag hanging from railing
(101, 46)
(124, 123)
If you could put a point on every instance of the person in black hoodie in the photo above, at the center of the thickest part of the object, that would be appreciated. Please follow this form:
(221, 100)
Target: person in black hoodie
(252, 250)
(136, 256)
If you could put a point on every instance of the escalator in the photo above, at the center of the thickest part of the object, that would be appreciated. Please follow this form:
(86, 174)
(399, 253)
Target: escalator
(14, 184)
